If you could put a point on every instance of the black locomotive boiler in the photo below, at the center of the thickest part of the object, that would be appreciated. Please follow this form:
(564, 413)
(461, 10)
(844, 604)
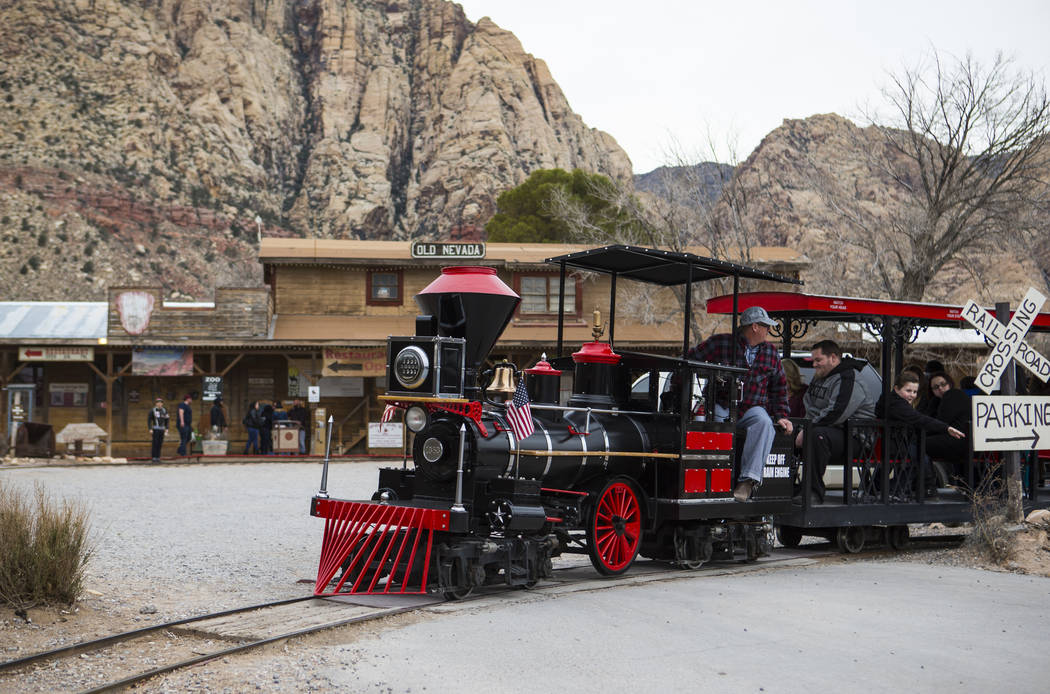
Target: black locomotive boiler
(627, 465)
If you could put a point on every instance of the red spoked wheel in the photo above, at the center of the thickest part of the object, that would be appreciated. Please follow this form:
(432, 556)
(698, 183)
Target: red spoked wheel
(614, 529)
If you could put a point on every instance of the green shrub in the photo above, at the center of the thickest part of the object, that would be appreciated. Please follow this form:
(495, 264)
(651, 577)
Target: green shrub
(44, 547)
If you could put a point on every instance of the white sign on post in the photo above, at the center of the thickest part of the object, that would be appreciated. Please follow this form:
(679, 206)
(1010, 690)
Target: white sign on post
(1010, 422)
(385, 434)
(1009, 340)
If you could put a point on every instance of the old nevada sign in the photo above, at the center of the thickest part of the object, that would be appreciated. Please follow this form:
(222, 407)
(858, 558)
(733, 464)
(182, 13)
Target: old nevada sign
(1010, 422)
(1008, 340)
(426, 249)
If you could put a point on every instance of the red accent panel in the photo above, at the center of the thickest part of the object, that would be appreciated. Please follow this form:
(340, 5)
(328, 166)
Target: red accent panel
(818, 306)
(721, 479)
(709, 440)
(695, 481)
(468, 279)
(377, 542)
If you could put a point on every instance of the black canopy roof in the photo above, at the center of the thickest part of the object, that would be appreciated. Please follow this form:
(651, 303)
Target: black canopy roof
(666, 268)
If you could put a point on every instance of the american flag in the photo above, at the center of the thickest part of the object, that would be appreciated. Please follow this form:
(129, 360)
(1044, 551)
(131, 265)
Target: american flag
(519, 413)
(389, 412)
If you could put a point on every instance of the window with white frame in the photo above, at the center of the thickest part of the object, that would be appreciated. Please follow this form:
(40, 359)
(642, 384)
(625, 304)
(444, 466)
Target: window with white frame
(539, 294)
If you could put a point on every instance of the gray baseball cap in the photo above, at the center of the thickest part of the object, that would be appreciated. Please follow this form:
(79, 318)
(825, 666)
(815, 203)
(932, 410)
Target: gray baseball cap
(756, 314)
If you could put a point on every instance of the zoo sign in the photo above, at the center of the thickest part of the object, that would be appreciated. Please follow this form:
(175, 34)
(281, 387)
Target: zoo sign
(1008, 340)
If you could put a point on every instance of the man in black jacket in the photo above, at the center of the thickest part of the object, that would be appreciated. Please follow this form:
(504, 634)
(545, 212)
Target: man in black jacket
(253, 422)
(841, 388)
(185, 423)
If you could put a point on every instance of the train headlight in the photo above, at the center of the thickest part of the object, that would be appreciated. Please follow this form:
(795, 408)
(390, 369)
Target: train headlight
(433, 449)
(411, 367)
(416, 419)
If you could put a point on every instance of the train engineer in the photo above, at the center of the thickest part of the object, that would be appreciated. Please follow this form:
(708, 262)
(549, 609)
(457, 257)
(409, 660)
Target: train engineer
(842, 387)
(764, 398)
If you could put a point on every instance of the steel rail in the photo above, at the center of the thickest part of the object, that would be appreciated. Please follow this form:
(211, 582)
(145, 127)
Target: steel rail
(165, 669)
(75, 648)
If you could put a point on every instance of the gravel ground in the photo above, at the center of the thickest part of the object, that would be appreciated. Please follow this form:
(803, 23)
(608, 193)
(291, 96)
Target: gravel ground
(190, 539)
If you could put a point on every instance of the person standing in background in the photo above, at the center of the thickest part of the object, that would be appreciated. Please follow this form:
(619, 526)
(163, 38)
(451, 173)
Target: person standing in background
(298, 413)
(218, 418)
(252, 423)
(157, 421)
(184, 422)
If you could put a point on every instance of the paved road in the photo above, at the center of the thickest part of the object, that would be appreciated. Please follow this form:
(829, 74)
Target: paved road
(860, 626)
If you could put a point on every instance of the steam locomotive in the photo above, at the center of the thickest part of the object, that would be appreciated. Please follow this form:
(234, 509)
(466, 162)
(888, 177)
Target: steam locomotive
(629, 465)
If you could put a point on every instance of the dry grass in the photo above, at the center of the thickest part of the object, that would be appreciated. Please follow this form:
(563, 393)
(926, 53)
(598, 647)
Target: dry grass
(44, 547)
(992, 537)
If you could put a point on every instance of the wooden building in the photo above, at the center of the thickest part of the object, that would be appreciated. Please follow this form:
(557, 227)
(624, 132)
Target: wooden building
(320, 321)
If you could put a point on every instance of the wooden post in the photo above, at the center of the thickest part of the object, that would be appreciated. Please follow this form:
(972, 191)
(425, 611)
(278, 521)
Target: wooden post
(109, 404)
(1008, 386)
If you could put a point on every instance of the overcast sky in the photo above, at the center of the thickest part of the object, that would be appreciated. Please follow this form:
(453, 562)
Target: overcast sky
(655, 72)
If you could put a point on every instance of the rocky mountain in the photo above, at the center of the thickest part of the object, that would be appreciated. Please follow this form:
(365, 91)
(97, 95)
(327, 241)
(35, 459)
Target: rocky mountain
(153, 141)
(809, 178)
(710, 176)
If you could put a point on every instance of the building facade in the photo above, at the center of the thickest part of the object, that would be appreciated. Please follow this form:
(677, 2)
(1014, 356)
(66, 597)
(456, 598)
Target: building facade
(316, 332)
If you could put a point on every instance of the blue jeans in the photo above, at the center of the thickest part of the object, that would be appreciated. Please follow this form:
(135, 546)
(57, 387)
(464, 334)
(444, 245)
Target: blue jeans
(760, 433)
(253, 441)
(184, 439)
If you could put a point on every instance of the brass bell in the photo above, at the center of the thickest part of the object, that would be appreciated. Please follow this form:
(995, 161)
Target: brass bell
(502, 381)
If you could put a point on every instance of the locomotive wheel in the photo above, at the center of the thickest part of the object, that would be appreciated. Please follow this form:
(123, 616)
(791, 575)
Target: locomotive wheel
(897, 536)
(789, 536)
(684, 556)
(452, 574)
(614, 528)
(850, 540)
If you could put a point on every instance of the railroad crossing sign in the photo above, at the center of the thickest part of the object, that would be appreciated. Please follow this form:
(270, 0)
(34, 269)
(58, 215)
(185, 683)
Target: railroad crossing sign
(1010, 422)
(1009, 340)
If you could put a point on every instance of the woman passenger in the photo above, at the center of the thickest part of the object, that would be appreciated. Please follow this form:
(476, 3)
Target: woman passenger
(898, 409)
(953, 409)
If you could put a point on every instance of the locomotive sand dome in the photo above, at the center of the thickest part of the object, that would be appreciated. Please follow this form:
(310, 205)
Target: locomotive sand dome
(610, 473)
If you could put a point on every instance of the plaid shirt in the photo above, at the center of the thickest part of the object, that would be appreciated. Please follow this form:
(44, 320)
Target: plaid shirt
(764, 384)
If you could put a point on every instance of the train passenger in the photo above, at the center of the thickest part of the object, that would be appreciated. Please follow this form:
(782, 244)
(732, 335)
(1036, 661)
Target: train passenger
(899, 409)
(930, 400)
(842, 387)
(954, 410)
(796, 388)
(763, 399)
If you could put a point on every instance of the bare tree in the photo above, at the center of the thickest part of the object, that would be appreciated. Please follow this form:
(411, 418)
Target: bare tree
(691, 205)
(964, 148)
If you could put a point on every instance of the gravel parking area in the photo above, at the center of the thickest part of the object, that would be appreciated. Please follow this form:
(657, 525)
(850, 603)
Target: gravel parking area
(191, 539)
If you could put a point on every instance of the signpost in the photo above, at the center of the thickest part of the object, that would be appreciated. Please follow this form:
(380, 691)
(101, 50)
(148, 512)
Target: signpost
(56, 354)
(212, 388)
(1009, 422)
(1009, 340)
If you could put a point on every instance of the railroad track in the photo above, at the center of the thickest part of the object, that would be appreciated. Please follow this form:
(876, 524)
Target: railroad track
(199, 633)
(253, 626)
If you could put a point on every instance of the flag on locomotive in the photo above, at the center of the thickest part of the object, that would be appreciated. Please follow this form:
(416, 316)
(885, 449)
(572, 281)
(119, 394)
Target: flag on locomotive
(519, 412)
